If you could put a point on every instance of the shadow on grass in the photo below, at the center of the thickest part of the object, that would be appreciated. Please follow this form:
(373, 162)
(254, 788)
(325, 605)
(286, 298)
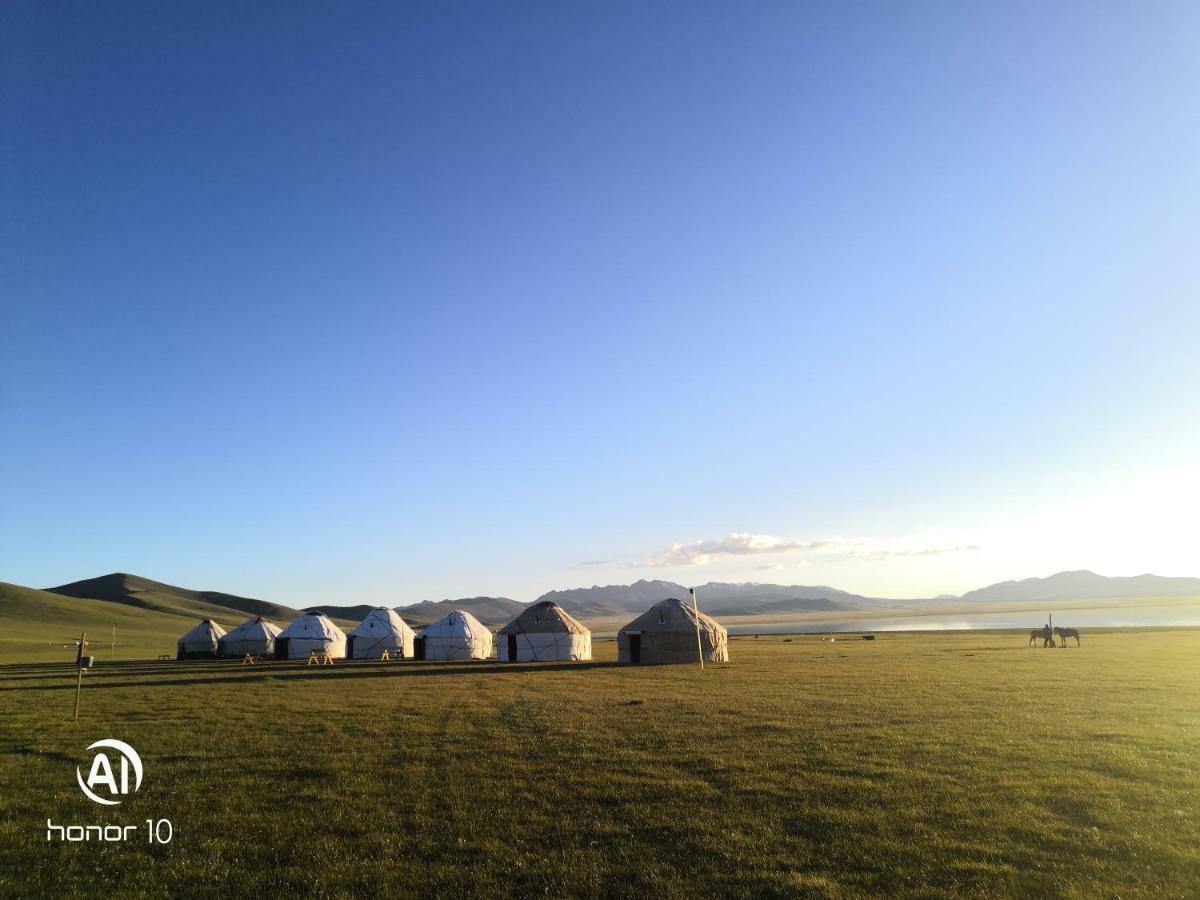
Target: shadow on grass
(218, 673)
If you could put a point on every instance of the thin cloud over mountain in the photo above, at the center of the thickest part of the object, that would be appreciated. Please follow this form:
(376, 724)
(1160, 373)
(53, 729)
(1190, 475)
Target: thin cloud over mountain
(741, 544)
(697, 553)
(925, 551)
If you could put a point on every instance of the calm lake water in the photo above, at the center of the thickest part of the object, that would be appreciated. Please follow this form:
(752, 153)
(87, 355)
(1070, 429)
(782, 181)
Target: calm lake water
(1116, 617)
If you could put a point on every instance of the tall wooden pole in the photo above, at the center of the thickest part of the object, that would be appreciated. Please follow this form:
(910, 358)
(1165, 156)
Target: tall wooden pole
(699, 644)
(113, 651)
(79, 671)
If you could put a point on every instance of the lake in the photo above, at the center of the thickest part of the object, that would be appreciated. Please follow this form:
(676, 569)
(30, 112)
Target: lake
(1112, 617)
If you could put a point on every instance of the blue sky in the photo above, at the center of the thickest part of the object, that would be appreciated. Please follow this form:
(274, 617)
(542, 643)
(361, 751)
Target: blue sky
(400, 301)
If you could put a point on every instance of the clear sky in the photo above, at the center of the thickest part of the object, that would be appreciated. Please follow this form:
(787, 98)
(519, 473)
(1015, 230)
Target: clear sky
(383, 303)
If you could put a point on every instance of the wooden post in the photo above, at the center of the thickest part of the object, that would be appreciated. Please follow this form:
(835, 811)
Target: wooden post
(79, 671)
(699, 643)
(113, 650)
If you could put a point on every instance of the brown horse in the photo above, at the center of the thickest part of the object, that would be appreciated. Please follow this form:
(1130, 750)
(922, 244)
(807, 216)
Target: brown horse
(1064, 633)
(1044, 633)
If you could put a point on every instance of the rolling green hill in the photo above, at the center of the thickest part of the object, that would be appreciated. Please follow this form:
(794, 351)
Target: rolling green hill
(339, 614)
(40, 625)
(133, 590)
(149, 616)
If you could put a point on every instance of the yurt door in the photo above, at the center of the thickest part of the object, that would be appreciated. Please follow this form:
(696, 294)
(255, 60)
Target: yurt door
(635, 649)
(419, 648)
(281, 648)
(512, 648)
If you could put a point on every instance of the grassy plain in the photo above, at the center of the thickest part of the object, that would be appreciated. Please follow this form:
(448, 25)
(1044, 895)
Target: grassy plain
(915, 764)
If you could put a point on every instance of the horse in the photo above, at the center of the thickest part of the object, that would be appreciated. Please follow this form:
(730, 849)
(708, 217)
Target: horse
(1064, 633)
(1044, 633)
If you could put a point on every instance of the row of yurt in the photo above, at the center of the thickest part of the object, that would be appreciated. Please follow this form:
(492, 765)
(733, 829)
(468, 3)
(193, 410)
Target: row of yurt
(381, 630)
(669, 632)
(542, 632)
(259, 637)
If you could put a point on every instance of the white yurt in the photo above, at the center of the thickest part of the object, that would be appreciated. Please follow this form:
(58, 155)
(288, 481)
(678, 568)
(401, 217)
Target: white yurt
(312, 631)
(381, 630)
(201, 642)
(458, 636)
(254, 636)
(542, 633)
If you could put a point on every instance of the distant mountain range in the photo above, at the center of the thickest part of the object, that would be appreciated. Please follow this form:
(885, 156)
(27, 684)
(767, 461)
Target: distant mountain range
(132, 602)
(715, 598)
(488, 610)
(1085, 585)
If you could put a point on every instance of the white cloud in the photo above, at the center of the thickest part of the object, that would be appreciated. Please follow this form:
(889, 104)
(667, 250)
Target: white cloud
(697, 553)
(780, 566)
(920, 551)
(834, 549)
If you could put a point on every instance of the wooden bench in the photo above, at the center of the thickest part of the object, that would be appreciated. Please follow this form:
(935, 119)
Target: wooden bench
(164, 657)
(319, 658)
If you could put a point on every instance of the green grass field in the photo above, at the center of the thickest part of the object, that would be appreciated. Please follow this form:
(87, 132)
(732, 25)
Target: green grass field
(916, 764)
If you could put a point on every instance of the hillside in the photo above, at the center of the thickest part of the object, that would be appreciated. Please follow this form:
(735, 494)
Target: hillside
(715, 597)
(353, 614)
(133, 590)
(613, 599)
(1085, 585)
(496, 611)
(46, 624)
(149, 616)
(754, 599)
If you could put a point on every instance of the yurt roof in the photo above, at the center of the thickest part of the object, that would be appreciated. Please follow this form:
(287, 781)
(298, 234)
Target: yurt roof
(255, 626)
(456, 623)
(205, 629)
(544, 617)
(313, 625)
(381, 621)
(673, 615)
